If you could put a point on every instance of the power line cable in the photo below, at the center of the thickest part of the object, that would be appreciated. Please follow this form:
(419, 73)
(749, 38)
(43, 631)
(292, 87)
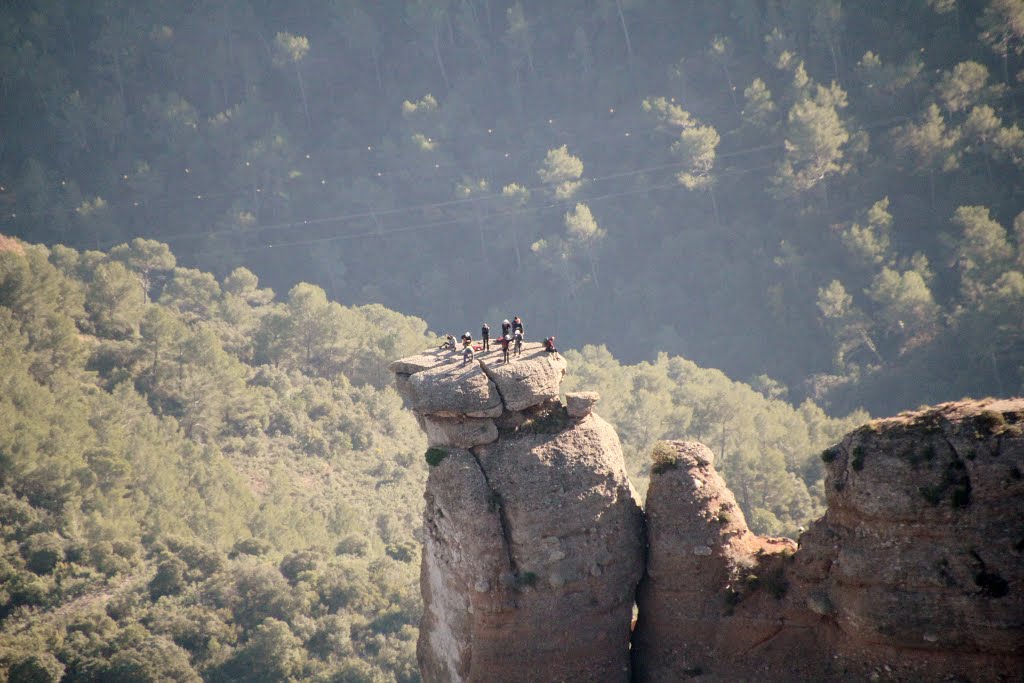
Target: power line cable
(452, 221)
(155, 203)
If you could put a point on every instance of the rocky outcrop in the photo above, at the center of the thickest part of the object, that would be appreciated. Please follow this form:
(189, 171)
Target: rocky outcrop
(533, 537)
(703, 562)
(580, 403)
(919, 555)
(534, 543)
(525, 384)
(915, 571)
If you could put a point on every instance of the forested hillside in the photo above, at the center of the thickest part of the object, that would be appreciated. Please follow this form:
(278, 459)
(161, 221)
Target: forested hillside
(188, 482)
(199, 480)
(825, 192)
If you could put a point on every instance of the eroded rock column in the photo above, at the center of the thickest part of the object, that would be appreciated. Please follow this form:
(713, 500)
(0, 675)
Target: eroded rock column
(914, 573)
(534, 538)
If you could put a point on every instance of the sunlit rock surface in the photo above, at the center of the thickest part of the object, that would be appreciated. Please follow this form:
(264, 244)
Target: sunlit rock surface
(534, 543)
(580, 403)
(534, 540)
(915, 572)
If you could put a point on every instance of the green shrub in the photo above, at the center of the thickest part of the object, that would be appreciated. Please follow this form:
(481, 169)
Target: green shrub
(526, 579)
(295, 563)
(435, 455)
(353, 544)
(665, 458)
(546, 421)
(250, 546)
(26, 589)
(858, 458)
(41, 667)
(43, 551)
(991, 422)
(169, 578)
(103, 557)
(404, 551)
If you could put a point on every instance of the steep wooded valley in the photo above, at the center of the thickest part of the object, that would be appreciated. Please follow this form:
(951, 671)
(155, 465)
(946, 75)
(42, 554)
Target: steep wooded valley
(199, 479)
(750, 223)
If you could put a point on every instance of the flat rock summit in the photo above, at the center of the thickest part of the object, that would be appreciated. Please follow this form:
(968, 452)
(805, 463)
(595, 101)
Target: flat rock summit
(534, 536)
(536, 548)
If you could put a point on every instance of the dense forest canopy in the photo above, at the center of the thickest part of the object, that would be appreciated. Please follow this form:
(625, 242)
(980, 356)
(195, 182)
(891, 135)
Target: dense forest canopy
(199, 480)
(825, 192)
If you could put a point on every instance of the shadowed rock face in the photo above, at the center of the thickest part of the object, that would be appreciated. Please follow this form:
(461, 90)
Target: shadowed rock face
(920, 552)
(534, 540)
(914, 573)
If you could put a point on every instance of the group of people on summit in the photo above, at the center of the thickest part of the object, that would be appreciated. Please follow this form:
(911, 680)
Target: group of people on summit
(511, 340)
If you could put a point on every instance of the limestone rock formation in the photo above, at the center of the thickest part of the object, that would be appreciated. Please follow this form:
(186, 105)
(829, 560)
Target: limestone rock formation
(525, 384)
(534, 540)
(915, 572)
(580, 403)
(702, 559)
(534, 543)
(459, 432)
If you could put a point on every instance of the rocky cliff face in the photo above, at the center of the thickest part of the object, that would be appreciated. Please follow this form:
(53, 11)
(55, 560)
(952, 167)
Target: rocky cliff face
(534, 543)
(914, 573)
(534, 538)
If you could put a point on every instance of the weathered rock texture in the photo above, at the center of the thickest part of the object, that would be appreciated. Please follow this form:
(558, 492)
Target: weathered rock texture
(580, 403)
(534, 540)
(914, 573)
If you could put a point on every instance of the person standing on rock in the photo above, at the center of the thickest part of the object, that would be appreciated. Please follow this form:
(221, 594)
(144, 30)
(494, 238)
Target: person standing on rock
(518, 337)
(517, 324)
(485, 335)
(505, 341)
(506, 327)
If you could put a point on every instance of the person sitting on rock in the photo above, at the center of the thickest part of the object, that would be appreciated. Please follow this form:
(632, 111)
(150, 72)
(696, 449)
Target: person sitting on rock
(448, 343)
(549, 345)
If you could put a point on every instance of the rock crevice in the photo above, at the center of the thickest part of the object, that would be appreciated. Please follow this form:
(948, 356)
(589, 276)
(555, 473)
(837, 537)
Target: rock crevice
(911, 574)
(533, 540)
(494, 503)
(534, 543)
